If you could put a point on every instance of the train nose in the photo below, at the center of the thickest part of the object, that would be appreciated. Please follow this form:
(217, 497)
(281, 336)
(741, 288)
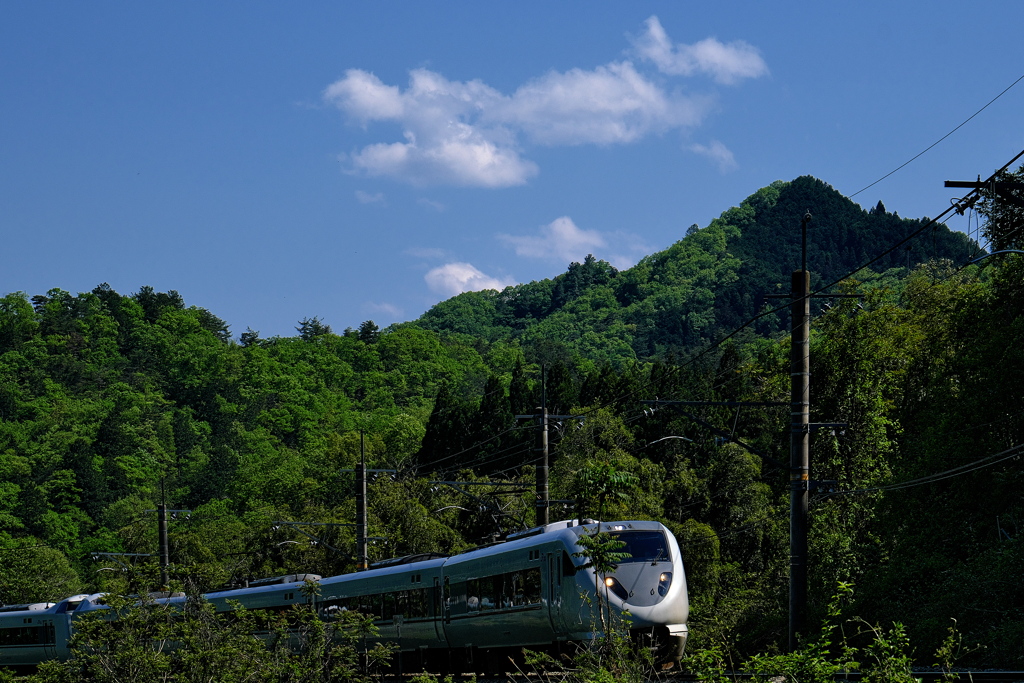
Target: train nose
(640, 586)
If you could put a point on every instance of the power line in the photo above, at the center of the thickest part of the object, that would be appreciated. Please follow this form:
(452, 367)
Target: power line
(939, 140)
(987, 461)
(479, 444)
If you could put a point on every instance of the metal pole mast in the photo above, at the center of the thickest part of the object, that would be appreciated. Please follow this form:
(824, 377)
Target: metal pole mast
(165, 546)
(799, 473)
(362, 552)
(543, 497)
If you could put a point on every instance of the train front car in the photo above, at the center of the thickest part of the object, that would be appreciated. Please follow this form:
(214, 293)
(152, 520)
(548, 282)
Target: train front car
(531, 591)
(647, 588)
(30, 634)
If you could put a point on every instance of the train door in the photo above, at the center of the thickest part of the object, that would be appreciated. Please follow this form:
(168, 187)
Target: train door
(553, 587)
(48, 638)
(440, 608)
(447, 601)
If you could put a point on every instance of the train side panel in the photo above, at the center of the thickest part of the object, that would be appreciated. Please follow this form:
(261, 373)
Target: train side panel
(498, 597)
(404, 601)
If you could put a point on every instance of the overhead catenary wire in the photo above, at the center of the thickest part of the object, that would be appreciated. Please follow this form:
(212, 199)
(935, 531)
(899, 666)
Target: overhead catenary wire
(478, 444)
(982, 463)
(929, 147)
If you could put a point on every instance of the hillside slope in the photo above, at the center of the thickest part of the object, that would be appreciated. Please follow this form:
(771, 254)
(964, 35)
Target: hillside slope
(711, 280)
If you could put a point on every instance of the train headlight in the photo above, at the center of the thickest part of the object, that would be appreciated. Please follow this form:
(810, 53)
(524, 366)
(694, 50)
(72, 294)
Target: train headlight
(664, 581)
(615, 587)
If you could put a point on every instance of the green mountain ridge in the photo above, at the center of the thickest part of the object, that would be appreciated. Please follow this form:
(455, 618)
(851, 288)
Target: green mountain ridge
(710, 281)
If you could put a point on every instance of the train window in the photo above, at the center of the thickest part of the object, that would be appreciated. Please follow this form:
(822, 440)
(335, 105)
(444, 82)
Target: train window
(497, 593)
(503, 590)
(330, 609)
(387, 606)
(416, 604)
(517, 597)
(531, 585)
(402, 603)
(473, 599)
(21, 635)
(643, 546)
(458, 604)
(376, 606)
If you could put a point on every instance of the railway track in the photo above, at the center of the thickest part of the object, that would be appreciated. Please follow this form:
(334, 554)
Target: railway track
(926, 676)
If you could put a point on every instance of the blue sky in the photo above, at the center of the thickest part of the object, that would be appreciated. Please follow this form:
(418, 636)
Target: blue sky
(356, 161)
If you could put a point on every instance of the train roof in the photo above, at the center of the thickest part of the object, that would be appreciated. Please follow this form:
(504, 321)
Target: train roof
(566, 530)
(28, 607)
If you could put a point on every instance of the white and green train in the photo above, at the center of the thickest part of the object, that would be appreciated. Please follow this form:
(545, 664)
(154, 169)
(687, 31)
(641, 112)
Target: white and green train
(466, 611)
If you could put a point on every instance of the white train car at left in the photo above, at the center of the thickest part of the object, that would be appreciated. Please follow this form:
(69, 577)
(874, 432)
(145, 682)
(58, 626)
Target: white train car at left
(34, 633)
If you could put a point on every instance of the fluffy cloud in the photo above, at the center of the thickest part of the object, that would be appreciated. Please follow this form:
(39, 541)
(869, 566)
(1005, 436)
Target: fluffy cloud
(456, 278)
(468, 133)
(718, 153)
(611, 104)
(445, 142)
(726, 63)
(563, 241)
(560, 239)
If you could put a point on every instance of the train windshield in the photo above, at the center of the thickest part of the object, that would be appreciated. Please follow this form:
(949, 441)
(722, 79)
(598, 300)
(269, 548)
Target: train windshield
(643, 546)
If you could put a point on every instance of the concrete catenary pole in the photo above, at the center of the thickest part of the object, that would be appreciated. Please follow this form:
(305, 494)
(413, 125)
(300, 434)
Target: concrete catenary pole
(800, 406)
(541, 449)
(362, 550)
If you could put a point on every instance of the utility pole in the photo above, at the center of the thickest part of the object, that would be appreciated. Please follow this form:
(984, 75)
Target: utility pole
(799, 451)
(543, 497)
(165, 546)
(161, 526)
(362, 550)
(541, 451)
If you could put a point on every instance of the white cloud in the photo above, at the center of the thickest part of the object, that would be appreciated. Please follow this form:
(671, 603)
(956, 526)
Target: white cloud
(725, 62)
(468, 133)
(366, 97)
(611, 104)
(563, 241)
(718, 153)
(367, 198)
(444, 140)
(455, 278)
(560, 239)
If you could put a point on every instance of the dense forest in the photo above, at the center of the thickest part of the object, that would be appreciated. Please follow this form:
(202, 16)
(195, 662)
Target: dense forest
(112, 403)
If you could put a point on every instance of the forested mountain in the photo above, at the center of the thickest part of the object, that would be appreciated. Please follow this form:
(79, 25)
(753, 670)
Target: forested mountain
(110, 403)
(711, 281)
